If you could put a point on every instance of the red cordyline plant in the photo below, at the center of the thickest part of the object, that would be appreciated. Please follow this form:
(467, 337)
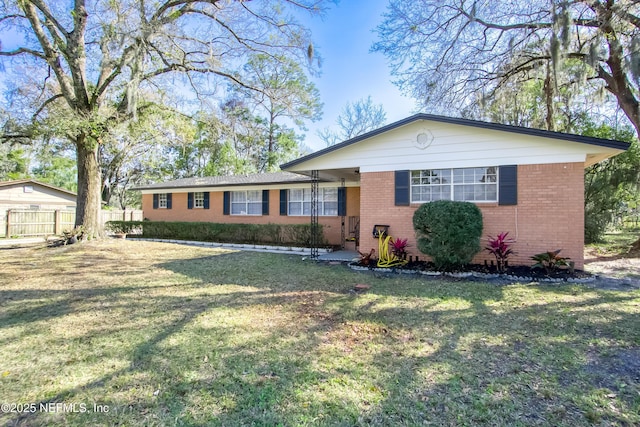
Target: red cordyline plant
(500, 247)
(398, 247)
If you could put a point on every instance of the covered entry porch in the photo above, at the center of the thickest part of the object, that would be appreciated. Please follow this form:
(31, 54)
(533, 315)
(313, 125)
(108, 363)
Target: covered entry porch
(348, 206)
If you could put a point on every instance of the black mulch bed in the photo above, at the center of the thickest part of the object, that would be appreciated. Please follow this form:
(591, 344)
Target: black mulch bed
(481, 271)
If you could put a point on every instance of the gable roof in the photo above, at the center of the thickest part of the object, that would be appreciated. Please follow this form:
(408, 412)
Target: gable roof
(618, 145)
(34, 182)
(229, 181)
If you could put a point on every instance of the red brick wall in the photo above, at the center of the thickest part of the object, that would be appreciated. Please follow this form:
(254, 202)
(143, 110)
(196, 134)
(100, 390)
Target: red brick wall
(179, 212)
(549, 214)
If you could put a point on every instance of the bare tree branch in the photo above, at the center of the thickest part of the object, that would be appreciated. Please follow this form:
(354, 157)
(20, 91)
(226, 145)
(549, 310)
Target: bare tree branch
(24, 50)
(442, 51)
(45, 104)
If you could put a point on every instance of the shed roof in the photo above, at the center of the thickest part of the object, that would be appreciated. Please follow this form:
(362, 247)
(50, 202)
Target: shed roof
(35, 182)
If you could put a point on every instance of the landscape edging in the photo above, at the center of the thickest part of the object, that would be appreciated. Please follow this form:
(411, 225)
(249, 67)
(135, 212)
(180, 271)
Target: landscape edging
(474, 274)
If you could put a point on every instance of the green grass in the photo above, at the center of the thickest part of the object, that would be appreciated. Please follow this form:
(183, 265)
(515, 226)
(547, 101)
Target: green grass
(172, 335)
(616, 242)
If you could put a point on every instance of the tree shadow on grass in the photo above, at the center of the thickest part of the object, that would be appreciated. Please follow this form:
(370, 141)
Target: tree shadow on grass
(532, 346)
(220, 373)
(292, 346)
(544, 344)
(514, 366)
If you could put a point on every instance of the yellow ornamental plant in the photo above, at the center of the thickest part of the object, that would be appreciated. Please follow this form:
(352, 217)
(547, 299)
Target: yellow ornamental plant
(387, 257)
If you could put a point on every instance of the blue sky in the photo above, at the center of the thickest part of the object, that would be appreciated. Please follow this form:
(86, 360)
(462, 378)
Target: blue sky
(349, 71)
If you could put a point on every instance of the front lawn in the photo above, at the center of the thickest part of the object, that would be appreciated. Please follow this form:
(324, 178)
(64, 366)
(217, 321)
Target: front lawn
(614, 243)
(139, 333)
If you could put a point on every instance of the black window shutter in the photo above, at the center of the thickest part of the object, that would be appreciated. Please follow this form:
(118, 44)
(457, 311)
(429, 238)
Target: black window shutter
(402, 188)
(206, 200)
(156, 202)
(265, 202)
(342, 201)
(508, 185)
(283, 202)
(168, 200)
(226, 203)
(189, 200)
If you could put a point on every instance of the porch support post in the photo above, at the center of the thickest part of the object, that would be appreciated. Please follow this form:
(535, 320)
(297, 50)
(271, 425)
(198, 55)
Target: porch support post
(342, 231)
(314, 215)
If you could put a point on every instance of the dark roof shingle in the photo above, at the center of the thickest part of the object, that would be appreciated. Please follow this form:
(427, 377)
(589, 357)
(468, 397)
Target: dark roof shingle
(230, 180)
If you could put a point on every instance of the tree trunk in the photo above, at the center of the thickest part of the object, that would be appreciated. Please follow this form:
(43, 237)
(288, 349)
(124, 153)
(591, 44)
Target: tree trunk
(548, 96)
(89, 186)
(270, 157)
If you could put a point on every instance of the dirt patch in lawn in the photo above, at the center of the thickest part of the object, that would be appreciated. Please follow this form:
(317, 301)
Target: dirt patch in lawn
(614, 270)
(615, 370)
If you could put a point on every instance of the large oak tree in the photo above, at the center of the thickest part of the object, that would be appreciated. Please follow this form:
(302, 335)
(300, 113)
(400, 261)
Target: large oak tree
(77, 69)
(452, 53)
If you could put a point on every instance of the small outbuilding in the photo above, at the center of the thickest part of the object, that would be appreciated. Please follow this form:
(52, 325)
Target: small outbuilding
(32, 194)
(33, 208)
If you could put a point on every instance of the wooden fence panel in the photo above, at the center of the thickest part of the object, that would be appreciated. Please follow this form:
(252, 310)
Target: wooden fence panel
(67, 220)
(122, 215)
(3, 223)
(26, 223)
(29, 223)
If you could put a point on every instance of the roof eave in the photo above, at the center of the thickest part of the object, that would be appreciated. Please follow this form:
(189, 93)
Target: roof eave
(244, 184)
(42, 184)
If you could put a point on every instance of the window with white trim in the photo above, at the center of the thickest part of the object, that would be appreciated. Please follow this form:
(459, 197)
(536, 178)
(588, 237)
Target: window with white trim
(162, 200)
(462, 184)
(198, 200)
(246, 202)
(299, 202)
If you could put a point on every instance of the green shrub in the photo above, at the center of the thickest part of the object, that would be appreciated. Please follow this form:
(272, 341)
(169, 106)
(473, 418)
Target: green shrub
(550, 261)
(595, 224)
(449, 232)
(126, 227)
(270, 234)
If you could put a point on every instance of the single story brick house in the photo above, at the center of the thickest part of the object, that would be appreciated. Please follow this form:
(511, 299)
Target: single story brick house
(276, 197)
(528, 182)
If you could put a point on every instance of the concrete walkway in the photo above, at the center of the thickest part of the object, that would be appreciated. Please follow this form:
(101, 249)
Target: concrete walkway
(292, 250)
(324, 255)
(339, 256)
(4, 243)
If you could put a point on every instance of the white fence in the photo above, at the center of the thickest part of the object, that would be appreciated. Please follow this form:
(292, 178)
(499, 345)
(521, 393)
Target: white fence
(117, 215)
(29, 223)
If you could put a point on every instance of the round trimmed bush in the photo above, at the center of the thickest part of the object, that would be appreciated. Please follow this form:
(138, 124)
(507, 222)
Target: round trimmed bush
(449, 232)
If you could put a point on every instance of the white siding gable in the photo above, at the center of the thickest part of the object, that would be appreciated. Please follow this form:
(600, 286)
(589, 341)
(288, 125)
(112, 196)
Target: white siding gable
(452, 146)
(17, 196)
